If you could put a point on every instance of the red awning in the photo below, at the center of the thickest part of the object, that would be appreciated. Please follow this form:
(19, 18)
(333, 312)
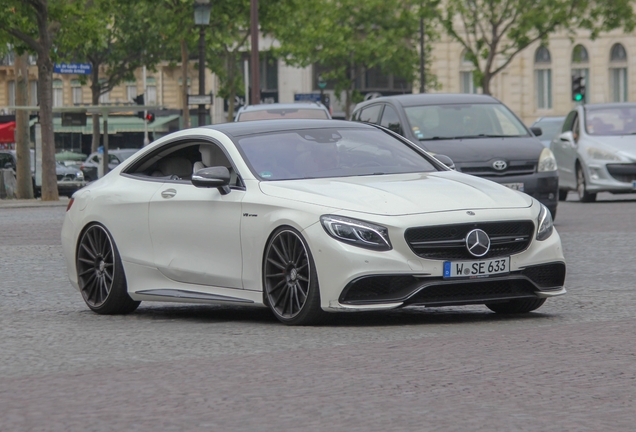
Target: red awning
(7, 134)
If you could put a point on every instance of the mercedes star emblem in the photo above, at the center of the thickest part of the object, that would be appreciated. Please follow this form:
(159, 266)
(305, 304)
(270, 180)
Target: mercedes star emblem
(478, 243)
(500, 165)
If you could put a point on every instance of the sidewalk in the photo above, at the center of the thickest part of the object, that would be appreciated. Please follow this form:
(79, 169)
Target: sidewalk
(16, 203)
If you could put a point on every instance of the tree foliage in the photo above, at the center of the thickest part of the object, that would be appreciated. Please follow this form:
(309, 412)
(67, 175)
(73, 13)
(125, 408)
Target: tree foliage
(344, 36)
(493, 32)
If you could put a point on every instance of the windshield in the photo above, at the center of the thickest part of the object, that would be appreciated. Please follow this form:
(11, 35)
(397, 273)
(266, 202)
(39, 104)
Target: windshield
(611, 121)
(321, 153)
(432, 122)
(284, 113)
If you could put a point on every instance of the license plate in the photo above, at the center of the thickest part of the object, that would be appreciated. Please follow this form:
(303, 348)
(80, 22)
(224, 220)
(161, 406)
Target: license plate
(482, 268)
(514, 186)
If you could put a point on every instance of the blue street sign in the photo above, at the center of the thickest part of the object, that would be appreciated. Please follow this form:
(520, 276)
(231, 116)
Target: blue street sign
(307, 97)
(73, 68)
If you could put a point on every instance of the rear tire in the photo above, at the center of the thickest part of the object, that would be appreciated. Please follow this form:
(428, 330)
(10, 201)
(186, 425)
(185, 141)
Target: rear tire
(581, 186)
(563, 194)
(516, 306)
(290, 281)
(100, 273)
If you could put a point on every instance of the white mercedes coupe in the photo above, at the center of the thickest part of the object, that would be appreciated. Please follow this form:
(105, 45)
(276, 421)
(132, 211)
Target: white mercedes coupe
(305, 217)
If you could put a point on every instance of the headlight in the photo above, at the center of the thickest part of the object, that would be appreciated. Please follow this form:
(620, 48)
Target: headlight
(544, 223)
(598, 154)
(357, 232)
(547, 162)
(79, 175)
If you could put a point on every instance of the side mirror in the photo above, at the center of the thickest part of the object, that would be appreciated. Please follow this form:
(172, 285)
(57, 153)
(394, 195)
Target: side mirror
(445, 160)
(213, 177)
(536, 131)
(567, 137)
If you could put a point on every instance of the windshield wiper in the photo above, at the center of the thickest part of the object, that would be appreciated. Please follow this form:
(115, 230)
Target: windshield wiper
(435, 138)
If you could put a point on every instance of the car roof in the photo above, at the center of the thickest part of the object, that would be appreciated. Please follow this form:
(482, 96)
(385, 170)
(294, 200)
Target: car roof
(265, 126)
(297, 105)
(408, 100)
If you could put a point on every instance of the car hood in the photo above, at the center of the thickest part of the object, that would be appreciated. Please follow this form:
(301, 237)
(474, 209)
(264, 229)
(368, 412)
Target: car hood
(473, 150)
(625, 144)
(400, 194)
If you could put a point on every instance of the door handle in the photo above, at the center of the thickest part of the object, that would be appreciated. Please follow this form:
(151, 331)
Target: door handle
(168, 193)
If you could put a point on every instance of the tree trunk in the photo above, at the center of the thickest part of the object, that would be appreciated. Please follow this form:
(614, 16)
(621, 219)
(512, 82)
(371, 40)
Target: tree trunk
(95, 90)
(184, 87)
(485, 83)
(24, 188)
(45, 95)
(231, 73)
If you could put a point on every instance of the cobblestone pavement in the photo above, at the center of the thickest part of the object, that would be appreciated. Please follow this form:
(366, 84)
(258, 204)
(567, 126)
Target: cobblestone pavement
(569, 366)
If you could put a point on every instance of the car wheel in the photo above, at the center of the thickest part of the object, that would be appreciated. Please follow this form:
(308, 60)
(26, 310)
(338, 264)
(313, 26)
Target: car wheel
(101, 275)
(290, 281)
(516, 306)
(563, 194)
(584, 195)
(553, 212)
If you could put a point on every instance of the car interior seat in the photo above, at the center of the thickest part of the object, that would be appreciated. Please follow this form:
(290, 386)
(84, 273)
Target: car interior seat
(173, 166)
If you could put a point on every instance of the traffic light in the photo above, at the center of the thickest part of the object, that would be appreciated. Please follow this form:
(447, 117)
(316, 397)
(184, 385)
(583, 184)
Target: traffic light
(149, 117)
(578, 88)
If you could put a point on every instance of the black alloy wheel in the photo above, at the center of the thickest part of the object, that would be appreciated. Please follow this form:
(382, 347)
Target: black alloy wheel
(581, 187)
(101, 275)
(289, 279)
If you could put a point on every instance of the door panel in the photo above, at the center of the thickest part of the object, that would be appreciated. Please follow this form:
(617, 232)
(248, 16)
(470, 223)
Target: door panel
(196, 234)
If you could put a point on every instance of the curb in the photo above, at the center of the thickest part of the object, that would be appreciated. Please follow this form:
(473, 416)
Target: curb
(13, 203)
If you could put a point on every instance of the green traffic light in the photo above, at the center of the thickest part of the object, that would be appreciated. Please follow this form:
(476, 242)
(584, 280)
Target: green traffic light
(578, 97)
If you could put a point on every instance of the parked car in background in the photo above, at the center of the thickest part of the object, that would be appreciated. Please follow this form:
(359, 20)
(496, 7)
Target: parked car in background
(550, 127)
(299, 110)
(479, 133)
(115, 157)
(596, 151)
(69, 179)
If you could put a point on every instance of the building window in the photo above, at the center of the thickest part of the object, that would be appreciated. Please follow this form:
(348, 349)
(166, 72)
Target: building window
(11, 101)
(466, 78)
(131, 91)
(104, 98)
(543, 78)
(618, 73)
(58, 93)
(581, 68)
(269, 73)
(8, 59)
(33, 93)
(76, 90)
(151, 91)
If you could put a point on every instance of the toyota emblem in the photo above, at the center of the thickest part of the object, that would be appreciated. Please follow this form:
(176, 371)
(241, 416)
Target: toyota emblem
(500, 165)
(478, 243)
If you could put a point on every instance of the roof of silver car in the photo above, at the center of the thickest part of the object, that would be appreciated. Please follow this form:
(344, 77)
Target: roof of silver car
(433, 99)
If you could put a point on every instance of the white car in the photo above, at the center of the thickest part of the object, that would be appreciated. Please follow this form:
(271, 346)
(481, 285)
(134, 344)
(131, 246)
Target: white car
(305, 217)
(596, 151)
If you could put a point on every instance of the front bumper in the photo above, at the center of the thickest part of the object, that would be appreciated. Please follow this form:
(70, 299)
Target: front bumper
(611, 177)
(68, 187)
(544, 187)
(409, 279)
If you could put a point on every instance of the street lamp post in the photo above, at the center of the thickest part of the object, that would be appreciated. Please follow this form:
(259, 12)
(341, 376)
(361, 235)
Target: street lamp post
(202, 10)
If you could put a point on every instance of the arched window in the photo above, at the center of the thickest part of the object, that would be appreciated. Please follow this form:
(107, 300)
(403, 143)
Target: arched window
(58, 93)
(543, 77)
(151, 90)
(581, 68)
(76, 90)
(466, 77)
(618, 73)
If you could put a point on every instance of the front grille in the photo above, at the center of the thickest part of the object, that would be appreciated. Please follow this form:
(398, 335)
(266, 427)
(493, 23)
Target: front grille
(547, 275)
(625, 173)
(60, 176)
(473, 292)
(444, 242)
(513, 169)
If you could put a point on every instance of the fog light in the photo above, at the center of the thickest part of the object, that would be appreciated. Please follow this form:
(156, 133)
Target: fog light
(551, 196)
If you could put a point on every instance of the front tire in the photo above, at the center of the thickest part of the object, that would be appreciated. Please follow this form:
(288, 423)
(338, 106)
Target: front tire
(100, 273)
(563, 194)
(516, 306)
(290, 281)
(581, 186)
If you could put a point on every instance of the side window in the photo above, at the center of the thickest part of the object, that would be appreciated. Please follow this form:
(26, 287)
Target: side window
(355, 116)
(569, 121)
(178, 161)
(390, 120)
(576, 128)
(371, 114)
(113, 159)
(95, 159)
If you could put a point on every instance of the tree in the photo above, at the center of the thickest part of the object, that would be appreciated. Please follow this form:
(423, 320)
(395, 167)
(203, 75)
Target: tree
(39, 26)
(24, 189)
(493, 32)
(125, 36)
(346, 36)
